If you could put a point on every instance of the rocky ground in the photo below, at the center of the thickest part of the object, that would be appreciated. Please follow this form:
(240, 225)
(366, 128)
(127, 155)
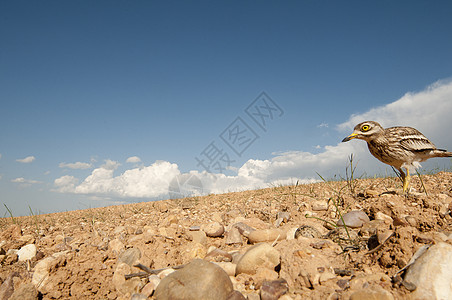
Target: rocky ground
(279, 242)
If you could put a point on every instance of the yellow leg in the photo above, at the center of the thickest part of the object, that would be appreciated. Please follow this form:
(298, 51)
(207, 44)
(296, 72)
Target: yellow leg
(406, 180)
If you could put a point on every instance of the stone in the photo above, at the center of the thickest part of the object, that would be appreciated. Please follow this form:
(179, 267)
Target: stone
(26, 291)
(371, 294)
(320, 205)
(284, 215)
(431, 273)
(266, 235)
(118, 277)
(166, 272)
(233, 237)
(198, 237)
(199, 279)
(150, 287)
(325, 276)
(213, 229)
(131, 286)
(7, 287)
(41, 272)
(27, 239)
(290, 234)
(354, 219)
(383, 217)
(196, 250)
(264, 274)
(42, 269)
(130, 256)
(244, 229)
(412, 221)
(139, 296)
(218, 255)
(236, 295)
(217, 217)
(371, 193)
(272, 290)
(228, 267)
(370, 228)
(27, 252)
(259, 255)
(119, 230)
(116, 246)
(253, 297)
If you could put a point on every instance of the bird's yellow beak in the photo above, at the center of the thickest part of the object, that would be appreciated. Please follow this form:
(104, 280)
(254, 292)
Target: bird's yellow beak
(350, 137)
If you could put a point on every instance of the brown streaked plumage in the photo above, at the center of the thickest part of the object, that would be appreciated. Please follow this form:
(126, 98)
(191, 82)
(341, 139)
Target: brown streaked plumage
(400, 147)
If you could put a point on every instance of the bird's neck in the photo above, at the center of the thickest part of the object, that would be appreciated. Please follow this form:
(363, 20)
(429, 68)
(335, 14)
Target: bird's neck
(378, 139)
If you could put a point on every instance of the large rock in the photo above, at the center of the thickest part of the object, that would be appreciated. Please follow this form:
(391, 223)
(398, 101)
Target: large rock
(259, 255)
(27, 252)
(266, 235)
(25, 291)
(199, 279)
(431, 273)
(354, 219)
(130, 256)
(41, 272)
(7, 287)
(213, 229)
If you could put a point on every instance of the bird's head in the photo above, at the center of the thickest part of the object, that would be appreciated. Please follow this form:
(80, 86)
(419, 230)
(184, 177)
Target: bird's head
(365, 131)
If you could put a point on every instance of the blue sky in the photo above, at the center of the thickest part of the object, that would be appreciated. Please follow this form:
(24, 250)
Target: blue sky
(85, 85)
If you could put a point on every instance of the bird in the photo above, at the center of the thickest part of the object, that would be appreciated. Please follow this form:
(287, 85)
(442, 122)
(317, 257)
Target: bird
(400, 146)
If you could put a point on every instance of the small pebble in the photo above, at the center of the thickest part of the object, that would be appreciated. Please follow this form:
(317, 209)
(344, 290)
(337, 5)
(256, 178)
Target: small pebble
(213, 229)
(244, 229)
(27, 252)
(233, 237)
(194, 228)
(354, 219)
(274, 289)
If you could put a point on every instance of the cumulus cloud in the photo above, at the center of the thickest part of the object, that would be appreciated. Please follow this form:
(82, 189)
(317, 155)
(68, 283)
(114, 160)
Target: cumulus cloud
(25, 181)
(133, 159)
(150, 182)
(76, 165)
(65, 184)
(26, 160)
(428, 110)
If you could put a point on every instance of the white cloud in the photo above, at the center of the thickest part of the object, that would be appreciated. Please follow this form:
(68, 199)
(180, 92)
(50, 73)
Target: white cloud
(76, 165)
(65, 184)
(133, 159)
(23, 180)
(149, 182)
(323, 125)
(26, 160)
(428, 110)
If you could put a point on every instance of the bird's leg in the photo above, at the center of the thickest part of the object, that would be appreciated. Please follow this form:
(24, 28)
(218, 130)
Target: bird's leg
(406, 180)
(403, 177)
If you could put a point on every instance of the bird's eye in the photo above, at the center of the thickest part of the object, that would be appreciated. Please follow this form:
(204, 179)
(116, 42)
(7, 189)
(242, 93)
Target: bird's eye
(365, 128)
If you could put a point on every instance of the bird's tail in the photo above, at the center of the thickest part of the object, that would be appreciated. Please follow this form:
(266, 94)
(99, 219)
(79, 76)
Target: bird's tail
(443, 153)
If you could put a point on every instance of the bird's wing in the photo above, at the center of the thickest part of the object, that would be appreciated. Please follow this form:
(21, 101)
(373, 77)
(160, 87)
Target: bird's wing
(411, 139)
